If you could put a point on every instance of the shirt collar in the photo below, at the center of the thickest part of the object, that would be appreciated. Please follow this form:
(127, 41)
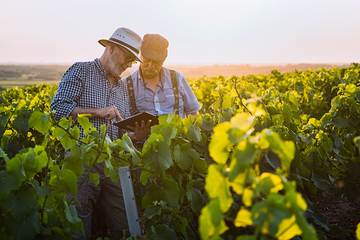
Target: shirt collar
(99, 67)
(103, 70)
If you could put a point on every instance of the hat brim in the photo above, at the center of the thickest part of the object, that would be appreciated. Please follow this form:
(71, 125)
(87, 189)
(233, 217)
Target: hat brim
(104, 42)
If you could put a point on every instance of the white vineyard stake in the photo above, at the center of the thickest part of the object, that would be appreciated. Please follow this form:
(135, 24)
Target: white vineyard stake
(130, 202)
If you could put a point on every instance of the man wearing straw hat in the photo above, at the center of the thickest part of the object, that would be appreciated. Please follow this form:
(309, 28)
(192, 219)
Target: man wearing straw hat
(95, 88)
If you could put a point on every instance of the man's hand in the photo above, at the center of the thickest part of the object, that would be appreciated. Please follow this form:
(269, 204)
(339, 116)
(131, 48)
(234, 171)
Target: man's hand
(108, 113)
(140, 133)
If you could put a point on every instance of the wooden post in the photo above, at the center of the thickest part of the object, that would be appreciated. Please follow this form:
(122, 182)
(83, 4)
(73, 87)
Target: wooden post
(130, 202)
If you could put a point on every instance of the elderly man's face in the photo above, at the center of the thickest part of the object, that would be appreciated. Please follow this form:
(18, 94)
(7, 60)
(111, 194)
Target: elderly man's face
(120, 60)
(150, 68)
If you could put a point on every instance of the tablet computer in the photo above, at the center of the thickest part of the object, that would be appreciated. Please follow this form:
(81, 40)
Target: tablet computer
(137, 118)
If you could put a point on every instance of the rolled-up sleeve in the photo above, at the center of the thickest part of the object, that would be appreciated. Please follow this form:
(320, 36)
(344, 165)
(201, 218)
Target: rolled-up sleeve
(191, 104)
(68, 92)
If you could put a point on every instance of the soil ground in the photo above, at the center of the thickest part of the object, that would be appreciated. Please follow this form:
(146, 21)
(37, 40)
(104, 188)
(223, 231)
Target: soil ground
(340, 213)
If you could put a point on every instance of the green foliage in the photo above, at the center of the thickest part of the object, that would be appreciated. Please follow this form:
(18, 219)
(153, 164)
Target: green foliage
(260, 154)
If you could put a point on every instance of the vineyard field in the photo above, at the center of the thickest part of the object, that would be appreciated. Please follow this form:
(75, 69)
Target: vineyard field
(261, 161)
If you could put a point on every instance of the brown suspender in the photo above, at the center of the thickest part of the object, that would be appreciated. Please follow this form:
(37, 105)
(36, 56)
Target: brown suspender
(131, 94)
(175, 89)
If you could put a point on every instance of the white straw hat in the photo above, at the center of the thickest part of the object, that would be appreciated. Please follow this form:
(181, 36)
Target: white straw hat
(127, 39)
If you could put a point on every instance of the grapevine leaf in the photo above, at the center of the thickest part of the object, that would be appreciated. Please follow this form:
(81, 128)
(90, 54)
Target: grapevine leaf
(4, 117)
(200, 165)
(36, 121)
(245, 152)
(3, 155)
(85, 123)
(127, 145)
(211, 222)
(20, 123)
(288, 228)
(74, 163)
(25, 228)
(194, 195)
(7, 182)
(226, 102)
(319, 181)
(164, 156)
(20, 203)
(41, 191)
(152, 211)
(16, 168)
(163, 232)
(207, 124)
(220, 143)
(285, 150)
(243, 218)
(70, 179)
(94, 178)
(71, 214)
(184, 156)
(217, 186)
(168, 192)
(194, 134)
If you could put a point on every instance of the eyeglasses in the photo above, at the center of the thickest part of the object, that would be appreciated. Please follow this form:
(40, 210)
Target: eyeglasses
(128, 58)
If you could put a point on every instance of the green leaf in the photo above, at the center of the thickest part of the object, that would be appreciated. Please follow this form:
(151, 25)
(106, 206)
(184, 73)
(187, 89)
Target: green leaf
(16, 168)
(168, 192)
(25, 228)
(245, 152)
(194, 195)
(285, 150)
(152, 211)
(127, 145)
(226, 102)
(70, 179)
(194, 134)
(83, 120)
(211, 222)
(94, 178)
(20, 203)
(163, 232)
(220, 143)
(319, 181)
(207, 123)
(41, 191)
(74, 163)
(4, 117)
(340, 122)
(164, 157)
(71, 214)
(200, 165)
(34, 160)
(184, 156)
(40, 121)
(3, 155)
(20, 123)
(217, 186)
(7, 182)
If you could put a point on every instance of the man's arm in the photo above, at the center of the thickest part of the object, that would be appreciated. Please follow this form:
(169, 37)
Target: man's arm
(106, 112)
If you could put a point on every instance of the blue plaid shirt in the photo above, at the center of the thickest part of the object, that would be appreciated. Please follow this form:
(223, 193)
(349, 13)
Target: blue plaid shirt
(85, 85)
(162, 101)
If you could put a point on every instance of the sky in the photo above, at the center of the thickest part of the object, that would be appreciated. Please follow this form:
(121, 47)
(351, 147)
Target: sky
(199, 31)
